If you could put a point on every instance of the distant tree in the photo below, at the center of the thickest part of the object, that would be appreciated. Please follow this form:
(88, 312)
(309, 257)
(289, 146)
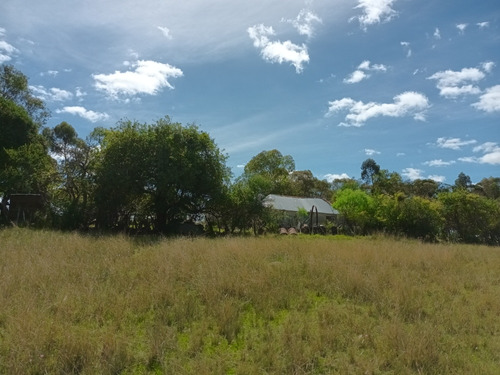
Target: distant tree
(369, 168)
(424, 188)
(275, 167)
(463, 181)
(304, 184)
(488, 187)
(385, 182)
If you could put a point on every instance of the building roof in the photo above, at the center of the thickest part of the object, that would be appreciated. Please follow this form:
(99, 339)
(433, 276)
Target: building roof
(285, 203)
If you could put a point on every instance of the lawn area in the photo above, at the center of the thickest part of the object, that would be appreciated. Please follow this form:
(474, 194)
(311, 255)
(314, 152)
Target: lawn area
(75, 304)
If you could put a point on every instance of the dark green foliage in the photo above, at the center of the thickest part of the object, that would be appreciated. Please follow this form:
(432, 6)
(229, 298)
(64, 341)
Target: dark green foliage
(161, 172)
(369, 169)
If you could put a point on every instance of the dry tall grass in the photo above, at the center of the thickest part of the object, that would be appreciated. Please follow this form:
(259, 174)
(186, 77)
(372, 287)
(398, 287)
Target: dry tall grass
(71, 304)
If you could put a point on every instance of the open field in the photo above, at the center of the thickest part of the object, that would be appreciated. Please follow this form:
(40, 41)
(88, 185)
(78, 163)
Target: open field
(71, 304)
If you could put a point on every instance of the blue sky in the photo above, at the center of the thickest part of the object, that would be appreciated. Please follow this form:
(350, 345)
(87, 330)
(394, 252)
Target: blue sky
(415, 85)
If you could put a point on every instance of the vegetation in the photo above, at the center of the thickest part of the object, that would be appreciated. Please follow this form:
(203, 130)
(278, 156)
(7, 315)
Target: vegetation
(152, 178)
(77, 304)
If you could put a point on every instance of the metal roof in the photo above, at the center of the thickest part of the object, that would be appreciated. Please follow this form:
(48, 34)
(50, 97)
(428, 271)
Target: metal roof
(285, 203)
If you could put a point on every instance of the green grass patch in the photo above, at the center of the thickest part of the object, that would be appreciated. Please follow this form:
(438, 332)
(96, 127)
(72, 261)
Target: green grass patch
(274, 305)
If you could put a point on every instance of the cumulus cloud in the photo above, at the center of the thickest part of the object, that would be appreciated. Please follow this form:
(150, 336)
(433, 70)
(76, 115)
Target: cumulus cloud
(452, 84)
(356, 76)
(439, 163)
(84, 113)
(453, 143)
(277, 51)
(406, 104)
(371, 152)
(165, 31)
(461, 27)
(488, 66)
(490, 100)
(417, 174)
(333, 176)
(374, 11)
(304, 22)
(149, 77)
(52, 94)
(482, 25)
(359, 74)
(6, 51)
(491, 154)
(437, 34)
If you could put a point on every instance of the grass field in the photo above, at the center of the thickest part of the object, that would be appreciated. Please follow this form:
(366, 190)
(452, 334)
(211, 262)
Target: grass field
(71, 304)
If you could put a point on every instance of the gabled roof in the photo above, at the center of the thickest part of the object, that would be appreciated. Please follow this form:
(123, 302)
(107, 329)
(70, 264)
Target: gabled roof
(285, 203)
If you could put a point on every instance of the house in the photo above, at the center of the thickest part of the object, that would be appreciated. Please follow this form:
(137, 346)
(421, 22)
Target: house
(290, 206)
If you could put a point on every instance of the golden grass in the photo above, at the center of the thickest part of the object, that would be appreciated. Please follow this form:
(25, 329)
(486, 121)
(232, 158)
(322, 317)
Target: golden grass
(273, 305)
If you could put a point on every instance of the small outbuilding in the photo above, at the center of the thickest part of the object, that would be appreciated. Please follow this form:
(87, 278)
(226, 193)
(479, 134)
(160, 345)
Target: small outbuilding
(290, 206)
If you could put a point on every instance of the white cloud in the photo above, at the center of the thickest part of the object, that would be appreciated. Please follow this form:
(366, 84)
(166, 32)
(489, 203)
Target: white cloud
(483, 24)
(453, 143)
(6, 50)
(405, 104)
(371, 152)
(455, 83)
(374, 11)
(52, 94)
(490, 100)
(488, 66)
(401, 154)
(277, 51)
(406, 46)
(149, 77)
(304, 22)
(332, 177)
(165, 31)
(437, 34)
(439, 163)
(51, 73)
(417, 174)
(412, 173)
(84, 113)
(356, 76)
(359, 74)
(491, 155)
(461, 27)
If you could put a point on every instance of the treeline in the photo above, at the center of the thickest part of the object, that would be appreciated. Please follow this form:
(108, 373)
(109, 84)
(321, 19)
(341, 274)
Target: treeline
(151, 178)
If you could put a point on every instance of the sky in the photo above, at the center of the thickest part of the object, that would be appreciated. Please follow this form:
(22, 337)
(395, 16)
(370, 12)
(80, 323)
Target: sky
(412, 84)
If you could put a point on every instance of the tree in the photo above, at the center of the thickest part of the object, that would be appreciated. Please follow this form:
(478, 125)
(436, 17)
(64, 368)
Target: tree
(163, 172)
(275, 167)
(357, 208)
(76, 161)
(304, 184)
(14, 87)
(369, 169)
(470, 218)
(462, 182)
(387, 183)
(425, 188)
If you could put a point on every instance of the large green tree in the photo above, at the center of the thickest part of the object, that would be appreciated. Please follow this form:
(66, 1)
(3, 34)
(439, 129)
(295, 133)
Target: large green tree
(163, 171)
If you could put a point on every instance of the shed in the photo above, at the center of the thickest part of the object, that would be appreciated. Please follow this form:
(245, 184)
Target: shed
(290, 206)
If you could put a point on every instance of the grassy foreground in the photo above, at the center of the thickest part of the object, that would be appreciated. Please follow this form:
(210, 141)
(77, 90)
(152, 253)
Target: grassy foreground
(71, 304)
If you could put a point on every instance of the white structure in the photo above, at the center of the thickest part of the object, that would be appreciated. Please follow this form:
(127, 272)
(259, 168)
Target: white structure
(290, 207)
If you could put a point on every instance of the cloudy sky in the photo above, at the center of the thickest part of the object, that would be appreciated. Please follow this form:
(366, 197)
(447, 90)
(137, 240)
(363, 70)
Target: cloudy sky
(413, 84)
